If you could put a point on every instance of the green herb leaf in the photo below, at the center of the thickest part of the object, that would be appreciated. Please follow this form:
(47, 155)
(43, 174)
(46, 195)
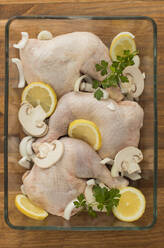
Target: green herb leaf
(115, 64)
(81, 197)
(95, 84)
(91, 212)
(124, 79)
(104, 63)
(104, 198)
(116, 72)
(112, 68)
(126, 52)
(104, 72)
(98, 94)
(119, 58)
(98, 67)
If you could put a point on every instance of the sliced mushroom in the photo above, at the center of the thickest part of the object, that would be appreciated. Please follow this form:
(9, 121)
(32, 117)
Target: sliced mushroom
(126, 162)
(80, 85)
(25, 149)
(134, 176)
(21, 44)
(32, 120)
(23, 146)
(48, 154)
(115, 93)
(18, 63)
(25, 162)
(45, 35)
(135, 86)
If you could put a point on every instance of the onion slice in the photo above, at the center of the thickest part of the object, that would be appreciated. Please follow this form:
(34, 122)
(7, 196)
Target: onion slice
(18, 62)
(21, 44)
(68, 209)
(91, 182)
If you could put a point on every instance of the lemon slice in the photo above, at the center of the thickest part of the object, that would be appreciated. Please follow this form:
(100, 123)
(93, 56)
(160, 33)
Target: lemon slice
(40, 93)
(131, 205)
(25, 206)
(86, 131)
(122, 41)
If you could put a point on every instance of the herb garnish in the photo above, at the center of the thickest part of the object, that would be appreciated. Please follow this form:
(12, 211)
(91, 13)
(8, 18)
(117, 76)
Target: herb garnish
(116, 72)
(104, 198)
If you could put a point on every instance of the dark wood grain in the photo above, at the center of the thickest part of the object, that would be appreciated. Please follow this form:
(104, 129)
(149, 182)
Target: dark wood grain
(62, 239)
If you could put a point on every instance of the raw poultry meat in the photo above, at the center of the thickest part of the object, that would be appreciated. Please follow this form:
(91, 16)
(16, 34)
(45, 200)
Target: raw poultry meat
(119, 127)
(53, 188)
(60, 61)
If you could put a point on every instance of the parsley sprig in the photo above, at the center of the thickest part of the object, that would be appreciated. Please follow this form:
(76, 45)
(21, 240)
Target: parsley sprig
(116, 72)
(104, 198)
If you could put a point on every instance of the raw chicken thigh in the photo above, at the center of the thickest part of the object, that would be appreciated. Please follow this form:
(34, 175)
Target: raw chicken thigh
(119, 123)
(53, 188)
(60, 61)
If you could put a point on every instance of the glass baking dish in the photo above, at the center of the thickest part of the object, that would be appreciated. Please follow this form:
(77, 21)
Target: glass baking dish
(145, 31)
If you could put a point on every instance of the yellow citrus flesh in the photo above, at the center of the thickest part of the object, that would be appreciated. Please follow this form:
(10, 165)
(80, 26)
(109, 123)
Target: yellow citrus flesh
(86, 131)
(26, 207)
(131, 205)
(121, 42)
(40, 93)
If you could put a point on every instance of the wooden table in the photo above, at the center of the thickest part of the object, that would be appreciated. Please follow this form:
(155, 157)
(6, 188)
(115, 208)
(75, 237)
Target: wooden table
(153, 238)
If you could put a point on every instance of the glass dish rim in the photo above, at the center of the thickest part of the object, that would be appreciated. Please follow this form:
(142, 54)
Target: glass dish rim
(7, 26)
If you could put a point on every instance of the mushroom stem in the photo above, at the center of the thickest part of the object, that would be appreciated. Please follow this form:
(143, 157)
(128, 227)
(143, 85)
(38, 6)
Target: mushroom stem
(21, 44)
(18, 63)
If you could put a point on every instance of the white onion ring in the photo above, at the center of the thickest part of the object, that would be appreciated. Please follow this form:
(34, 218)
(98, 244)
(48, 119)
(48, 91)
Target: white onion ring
(18, 62)
(91, 182)
(21, 44)
(68, 209)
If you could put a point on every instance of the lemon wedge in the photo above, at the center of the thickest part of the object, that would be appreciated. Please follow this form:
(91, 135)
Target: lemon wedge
(86, 131)
(25, 206)
(131, 205)
(122, 41)
(40, 93)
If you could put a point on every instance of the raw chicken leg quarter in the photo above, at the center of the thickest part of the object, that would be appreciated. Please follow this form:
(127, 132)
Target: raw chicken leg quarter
(119, 126)
(60, 61)
(53, 188)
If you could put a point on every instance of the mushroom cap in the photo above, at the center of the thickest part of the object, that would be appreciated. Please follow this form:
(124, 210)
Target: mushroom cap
(127, 160)
(137, 80)
(49, 154)
(32, 120)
